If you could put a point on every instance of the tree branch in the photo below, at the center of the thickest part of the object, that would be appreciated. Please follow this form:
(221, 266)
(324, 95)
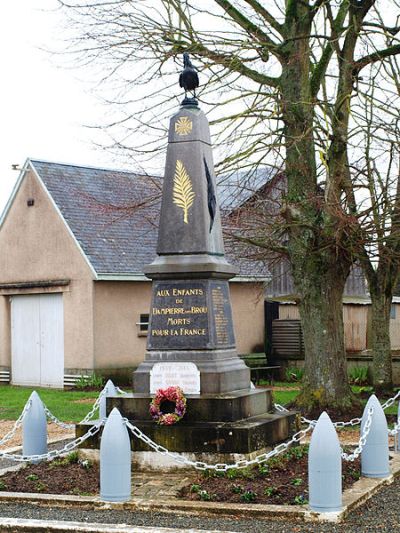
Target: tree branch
(251, 28)
(337, 26)
(258, 8)
(232, 63)
(376, 56)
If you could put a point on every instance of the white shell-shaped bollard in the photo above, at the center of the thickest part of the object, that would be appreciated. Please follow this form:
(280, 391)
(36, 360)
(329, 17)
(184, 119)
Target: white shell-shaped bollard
(115, 460)
(34, 428)
(109, 390)
(375, 454)
(325, 468)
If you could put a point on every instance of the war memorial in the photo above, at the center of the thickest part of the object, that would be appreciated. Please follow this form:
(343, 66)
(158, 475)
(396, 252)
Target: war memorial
(191, 341)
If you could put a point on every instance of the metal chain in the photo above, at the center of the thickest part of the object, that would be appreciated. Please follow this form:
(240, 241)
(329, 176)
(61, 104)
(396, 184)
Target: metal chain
(391, 401)
(120, 391)
(218, 467)
(396, 429)
(362, 441)
(352, 422)
(83, 421)
(280, 408)
(55, 419)
(17, 424)
(96, 405)
(54, 453)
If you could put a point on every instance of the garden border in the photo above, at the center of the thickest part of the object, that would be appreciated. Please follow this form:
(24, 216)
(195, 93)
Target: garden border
(360, 492)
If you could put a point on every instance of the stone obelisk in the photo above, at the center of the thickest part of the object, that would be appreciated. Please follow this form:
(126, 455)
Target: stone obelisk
(190, 315)
(191, 341)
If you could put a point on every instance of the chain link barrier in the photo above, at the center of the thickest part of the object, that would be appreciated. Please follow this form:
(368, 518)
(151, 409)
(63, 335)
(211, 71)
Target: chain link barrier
(53, 453)
(199, 465)
(363, 439)
(396, 429)
(304, 420)
(218, 467)
(54, 419)
(49, 414)
(87, 418)
(353, 421)
(391, 401)
(17, 424)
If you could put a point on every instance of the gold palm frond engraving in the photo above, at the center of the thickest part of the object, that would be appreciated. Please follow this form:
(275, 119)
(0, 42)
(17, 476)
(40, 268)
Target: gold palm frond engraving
(183, 126)
(182, 193)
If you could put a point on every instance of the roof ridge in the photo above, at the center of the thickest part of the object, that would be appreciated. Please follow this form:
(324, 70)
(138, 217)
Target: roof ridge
(34, 160)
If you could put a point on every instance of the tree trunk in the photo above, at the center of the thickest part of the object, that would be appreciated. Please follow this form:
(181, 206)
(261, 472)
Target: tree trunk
(380, 341)
(319, 265)
(321, 310)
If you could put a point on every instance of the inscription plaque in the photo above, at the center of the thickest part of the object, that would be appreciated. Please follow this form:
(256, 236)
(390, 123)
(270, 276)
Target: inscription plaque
(222, 313)
(179, 315)
(190, 314)
(184, 375)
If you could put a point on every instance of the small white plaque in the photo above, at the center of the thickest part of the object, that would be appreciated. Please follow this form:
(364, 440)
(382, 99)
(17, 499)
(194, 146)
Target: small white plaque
(184, 375)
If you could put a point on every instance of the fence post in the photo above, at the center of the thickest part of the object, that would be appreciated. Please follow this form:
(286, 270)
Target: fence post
(325, 468)
(396, 437)
(115, 460)
(375, 453)
(109, 390)
(34, 428)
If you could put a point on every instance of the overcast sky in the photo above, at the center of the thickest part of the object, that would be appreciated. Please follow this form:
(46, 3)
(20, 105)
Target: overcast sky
(43, 107)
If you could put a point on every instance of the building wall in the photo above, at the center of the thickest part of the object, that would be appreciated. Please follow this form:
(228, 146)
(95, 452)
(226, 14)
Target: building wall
(36, 246)
(119, 346)
(118, 306)
(248, 316)
(395, 327)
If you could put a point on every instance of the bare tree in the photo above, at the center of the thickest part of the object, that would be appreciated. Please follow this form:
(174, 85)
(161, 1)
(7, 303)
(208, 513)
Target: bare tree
(283, 84)
(376, 180)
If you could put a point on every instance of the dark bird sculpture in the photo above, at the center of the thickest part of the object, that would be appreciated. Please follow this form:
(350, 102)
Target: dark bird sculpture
(188, 79)
(211, 200)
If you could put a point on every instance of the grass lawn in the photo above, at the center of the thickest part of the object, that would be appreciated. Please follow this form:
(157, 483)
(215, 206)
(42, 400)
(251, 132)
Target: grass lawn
(68, 406)
(72, 406)
(286, 396)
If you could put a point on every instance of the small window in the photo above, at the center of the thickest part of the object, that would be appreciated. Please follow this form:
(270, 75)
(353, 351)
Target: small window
(143, 324)
(393, 311)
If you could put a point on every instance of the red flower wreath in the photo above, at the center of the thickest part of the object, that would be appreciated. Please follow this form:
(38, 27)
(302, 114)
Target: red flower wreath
(171, 394)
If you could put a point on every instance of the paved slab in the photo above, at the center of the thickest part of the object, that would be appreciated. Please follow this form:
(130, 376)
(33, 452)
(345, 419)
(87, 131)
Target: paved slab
(19, 524)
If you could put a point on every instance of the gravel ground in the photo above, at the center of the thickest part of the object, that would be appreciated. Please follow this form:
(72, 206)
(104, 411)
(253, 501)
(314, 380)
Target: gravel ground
(53, 432)
(381, 514)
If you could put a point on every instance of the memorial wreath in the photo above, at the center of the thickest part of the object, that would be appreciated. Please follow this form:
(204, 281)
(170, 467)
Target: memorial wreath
(171, 394)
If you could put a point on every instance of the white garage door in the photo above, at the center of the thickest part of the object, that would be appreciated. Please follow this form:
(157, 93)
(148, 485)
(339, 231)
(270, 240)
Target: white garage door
(37, 340)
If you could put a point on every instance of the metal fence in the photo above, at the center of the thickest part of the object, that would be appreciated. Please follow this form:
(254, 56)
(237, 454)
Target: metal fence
(324, 463)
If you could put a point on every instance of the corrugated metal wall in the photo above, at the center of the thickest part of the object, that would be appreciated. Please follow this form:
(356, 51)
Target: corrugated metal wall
(355, 318)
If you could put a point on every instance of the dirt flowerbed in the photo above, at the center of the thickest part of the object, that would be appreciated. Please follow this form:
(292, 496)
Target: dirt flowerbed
(281, 481)
(68, 475)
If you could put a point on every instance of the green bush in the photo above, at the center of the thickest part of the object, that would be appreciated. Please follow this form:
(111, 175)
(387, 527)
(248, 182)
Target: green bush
(358, 375)
(92, 381)
(294, 374)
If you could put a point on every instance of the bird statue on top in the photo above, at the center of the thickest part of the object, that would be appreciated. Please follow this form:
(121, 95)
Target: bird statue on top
(189, 80)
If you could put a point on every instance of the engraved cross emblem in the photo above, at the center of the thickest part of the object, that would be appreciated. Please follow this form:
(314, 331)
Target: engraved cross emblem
(183, 126)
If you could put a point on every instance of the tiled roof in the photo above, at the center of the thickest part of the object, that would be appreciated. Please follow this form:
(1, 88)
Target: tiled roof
(114, 216)
(236, 188)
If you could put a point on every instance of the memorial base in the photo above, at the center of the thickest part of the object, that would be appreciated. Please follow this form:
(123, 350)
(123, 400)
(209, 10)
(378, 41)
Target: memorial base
(235, 423)
(221, 371)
